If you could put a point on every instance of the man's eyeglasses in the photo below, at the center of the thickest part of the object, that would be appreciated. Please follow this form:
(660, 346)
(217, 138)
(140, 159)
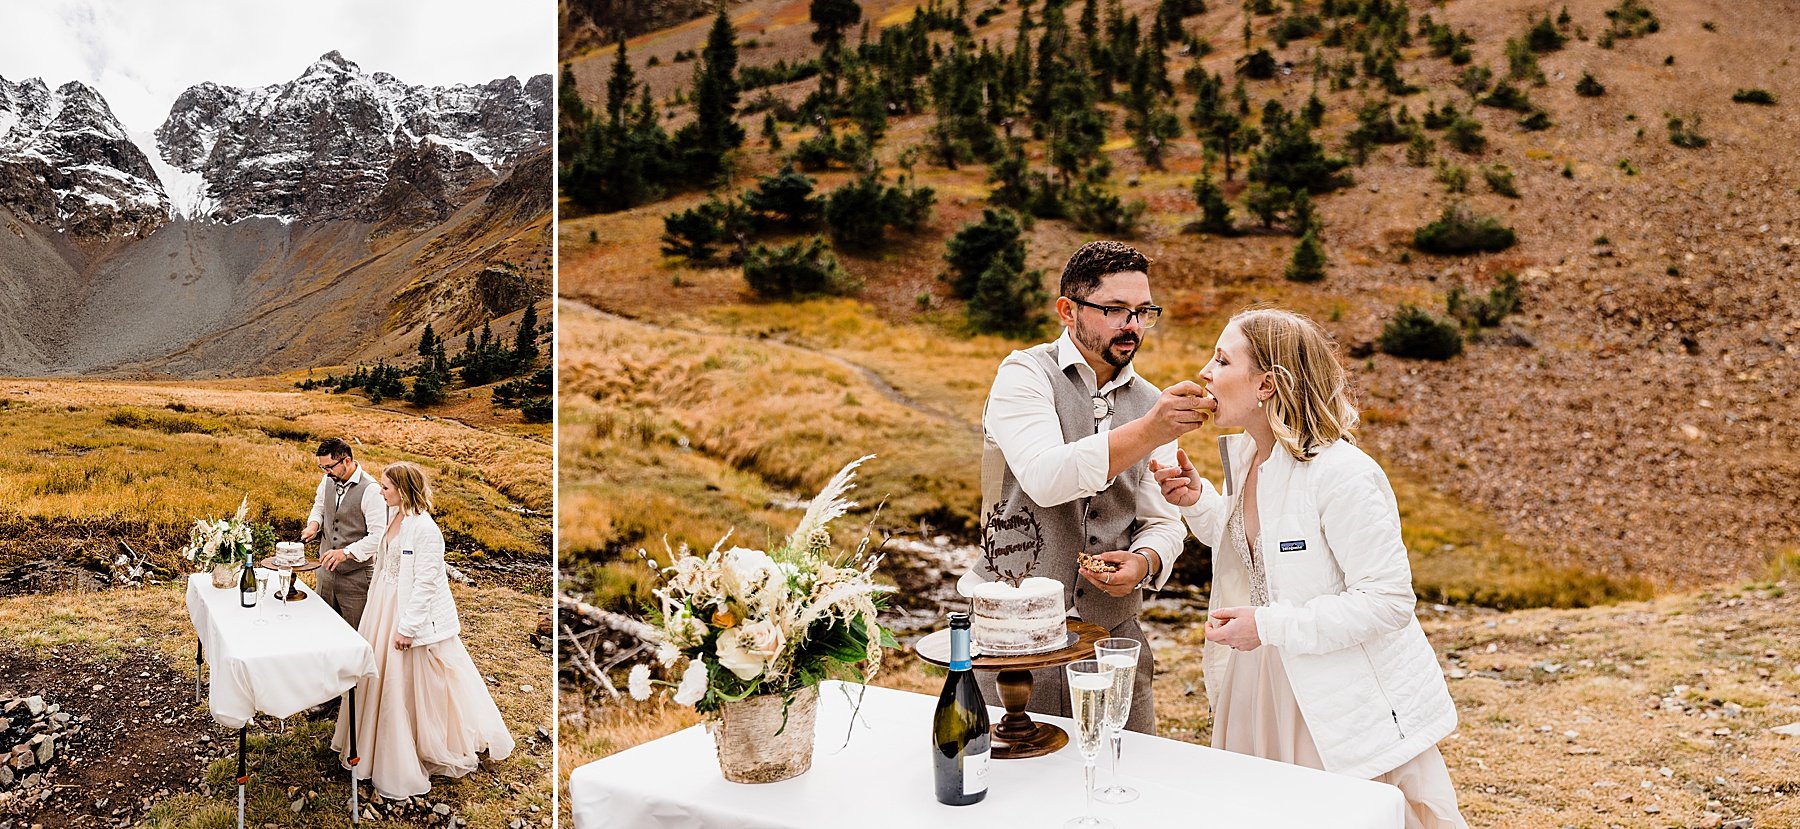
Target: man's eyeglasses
(1118, 316)
(333, 465)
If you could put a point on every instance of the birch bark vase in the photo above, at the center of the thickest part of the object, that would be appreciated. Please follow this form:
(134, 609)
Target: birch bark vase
(756, 746)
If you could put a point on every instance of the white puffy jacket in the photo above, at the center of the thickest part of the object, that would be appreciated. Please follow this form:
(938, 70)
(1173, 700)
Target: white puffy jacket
(427, 611)
(1340, 605)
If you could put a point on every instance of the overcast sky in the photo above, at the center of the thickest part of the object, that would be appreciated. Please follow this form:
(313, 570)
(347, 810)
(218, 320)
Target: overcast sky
(141, 54)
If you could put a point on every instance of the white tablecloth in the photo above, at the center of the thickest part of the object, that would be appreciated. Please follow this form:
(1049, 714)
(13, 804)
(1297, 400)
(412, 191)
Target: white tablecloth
(882, 778)
(280, 668)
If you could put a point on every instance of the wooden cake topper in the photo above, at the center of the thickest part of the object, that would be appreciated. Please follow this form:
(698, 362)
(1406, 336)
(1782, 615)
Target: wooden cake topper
(1005, 537)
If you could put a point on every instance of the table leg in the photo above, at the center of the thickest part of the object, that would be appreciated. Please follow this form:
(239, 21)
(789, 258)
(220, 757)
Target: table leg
(1017, 736)
(243, 775)
(355, 757)
(199, 647)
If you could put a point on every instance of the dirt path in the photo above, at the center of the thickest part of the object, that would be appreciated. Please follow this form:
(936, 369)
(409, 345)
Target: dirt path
(881, 385)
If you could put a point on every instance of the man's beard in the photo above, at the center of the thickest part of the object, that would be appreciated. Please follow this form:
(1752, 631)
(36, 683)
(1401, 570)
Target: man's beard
(1102, 341)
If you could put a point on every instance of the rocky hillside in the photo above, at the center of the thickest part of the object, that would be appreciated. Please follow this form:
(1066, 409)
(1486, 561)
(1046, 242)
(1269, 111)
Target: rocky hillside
(67, 164)
(317, 222)
(339, 143)
(585, 24)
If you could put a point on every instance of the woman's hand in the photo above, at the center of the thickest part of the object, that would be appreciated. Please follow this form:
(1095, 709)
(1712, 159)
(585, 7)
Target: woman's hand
(1180, 484)
(1234, 627)
(402, 642)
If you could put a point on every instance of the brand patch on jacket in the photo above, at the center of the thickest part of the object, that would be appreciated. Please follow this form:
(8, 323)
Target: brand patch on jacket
(409, 552)
(1293, 546)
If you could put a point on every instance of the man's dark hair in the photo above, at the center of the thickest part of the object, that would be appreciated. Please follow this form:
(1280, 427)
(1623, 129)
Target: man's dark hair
(1095, 261)
(334, 448)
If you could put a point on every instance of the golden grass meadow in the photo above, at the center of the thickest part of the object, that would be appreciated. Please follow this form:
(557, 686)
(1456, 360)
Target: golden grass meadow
(93, 463)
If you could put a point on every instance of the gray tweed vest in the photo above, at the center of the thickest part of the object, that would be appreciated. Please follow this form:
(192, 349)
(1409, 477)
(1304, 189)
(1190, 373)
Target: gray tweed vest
(345, 524)
(1111, 516)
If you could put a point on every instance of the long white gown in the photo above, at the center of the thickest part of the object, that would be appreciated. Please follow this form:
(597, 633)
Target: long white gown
(426, 712)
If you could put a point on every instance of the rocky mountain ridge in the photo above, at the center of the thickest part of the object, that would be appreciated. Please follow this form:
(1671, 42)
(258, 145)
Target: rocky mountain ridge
(340, 143)
(67, 163)
(314, 222)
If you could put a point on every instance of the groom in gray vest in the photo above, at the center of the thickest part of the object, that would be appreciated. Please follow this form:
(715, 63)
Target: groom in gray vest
(1069, 429)
(348, 517)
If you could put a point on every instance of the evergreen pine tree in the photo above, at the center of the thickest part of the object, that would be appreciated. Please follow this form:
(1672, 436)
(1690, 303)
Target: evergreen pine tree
(785, 198)
(427, 390)
(830, 18)
(714, 130)
(978, 245)
(1011, 176)
(573, 110)
(525, 347)
(1301, 217)
(1148, 119)
(1215, 211)
(1314, 113)
(1227, 136)
(1009, 300)
(1308, 264)
(1291, 159)
(619, 87)
(427, 340)
(693, 233)
(620, 160)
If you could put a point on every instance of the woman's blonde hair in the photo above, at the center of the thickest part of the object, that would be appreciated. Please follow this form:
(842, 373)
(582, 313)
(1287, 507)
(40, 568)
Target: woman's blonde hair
(1311, 406)
(409, 480)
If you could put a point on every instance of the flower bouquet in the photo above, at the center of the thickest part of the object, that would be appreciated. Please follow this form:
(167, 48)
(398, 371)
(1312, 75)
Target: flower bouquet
(758, 631)
(221, 543)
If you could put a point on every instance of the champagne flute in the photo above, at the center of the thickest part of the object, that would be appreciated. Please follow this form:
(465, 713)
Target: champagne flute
(262, 595)
(1122, 655)
(287, 596)
(1090, 682)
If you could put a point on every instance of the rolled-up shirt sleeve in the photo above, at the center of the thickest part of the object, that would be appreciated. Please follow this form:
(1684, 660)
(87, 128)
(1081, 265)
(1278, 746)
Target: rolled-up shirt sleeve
(1021, 420)
(1159, 525)
(375, 517)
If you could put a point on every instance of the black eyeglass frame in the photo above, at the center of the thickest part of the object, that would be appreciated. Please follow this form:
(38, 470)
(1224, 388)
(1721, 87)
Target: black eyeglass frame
(1148, 315)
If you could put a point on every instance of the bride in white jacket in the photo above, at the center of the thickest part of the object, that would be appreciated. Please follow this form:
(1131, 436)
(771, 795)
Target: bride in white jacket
(1313, 654)
(427, 710)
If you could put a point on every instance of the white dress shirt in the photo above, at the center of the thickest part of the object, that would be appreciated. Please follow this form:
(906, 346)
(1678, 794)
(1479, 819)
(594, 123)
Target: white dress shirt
(374, 509)
(1021, 420)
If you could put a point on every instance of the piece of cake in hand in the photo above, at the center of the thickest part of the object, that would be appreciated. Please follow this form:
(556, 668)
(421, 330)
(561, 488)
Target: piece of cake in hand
(1095, 564)
(1012, 621)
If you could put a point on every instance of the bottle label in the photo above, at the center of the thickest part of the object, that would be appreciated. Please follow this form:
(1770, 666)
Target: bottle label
(975, 772)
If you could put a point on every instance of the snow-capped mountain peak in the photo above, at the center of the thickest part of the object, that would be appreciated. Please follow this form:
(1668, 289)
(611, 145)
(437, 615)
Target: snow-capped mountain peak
(329, 144)
(66, 162)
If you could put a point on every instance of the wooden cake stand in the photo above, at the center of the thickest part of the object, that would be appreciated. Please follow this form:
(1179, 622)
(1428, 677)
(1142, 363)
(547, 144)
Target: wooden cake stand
(1017, 735)
(294, 593)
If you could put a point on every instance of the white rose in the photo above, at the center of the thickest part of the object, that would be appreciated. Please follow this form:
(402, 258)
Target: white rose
(764, 638)
(747, 571)
(693, 683)
(739, 656)
(640, 682)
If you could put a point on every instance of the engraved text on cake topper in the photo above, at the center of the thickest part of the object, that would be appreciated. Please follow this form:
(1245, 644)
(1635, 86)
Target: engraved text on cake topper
(1005, 538)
